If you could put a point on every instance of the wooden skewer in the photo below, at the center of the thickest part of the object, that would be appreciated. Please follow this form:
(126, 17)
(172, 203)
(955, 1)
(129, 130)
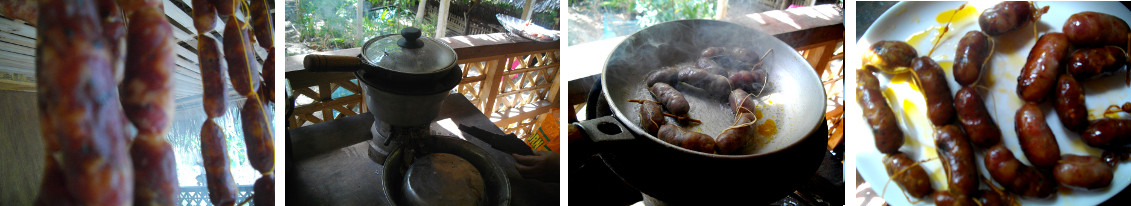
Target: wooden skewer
(642, 101)
(683, 118)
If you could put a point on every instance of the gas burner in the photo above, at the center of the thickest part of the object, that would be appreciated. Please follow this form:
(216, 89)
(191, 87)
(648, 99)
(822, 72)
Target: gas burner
(387, 138)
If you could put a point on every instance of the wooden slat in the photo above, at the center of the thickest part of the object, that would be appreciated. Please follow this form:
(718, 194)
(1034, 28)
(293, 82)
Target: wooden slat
(10, 26)
(543, 108)
(17, 39)
(18, 49)
(26, 68)
(17, 57)
(310, 108)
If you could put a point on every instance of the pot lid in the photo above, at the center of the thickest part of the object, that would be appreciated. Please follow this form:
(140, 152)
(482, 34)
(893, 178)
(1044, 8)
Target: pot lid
(409, 53)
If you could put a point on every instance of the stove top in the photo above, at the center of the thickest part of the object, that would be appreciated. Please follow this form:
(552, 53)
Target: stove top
(387, 138)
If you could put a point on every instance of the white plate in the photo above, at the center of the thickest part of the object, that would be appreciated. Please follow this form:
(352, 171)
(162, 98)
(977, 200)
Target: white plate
(525, 29)
(908, 18)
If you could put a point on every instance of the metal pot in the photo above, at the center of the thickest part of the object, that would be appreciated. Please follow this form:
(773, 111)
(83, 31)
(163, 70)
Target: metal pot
(676, 175)
(497, 185)
(405, 77)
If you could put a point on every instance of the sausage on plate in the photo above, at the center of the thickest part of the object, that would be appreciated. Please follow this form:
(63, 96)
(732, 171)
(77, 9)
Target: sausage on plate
(880, 117)
(1038, 76)
(1037, 140)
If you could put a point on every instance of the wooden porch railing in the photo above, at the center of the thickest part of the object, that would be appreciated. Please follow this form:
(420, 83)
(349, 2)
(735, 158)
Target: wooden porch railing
(198, 195)
(511, 80)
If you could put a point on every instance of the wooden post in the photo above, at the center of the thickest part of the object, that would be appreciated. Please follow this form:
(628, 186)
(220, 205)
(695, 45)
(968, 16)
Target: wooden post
(420, 13)
(721, 9)
(527, 10)
(442, 19)
(552, 95)
(359, 31)
(490, 86)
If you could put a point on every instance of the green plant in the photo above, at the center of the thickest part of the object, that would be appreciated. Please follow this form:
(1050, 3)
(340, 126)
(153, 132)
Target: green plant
(657, 11)
(330, 24)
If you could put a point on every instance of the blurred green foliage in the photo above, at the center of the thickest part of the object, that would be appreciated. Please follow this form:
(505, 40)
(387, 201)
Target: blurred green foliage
(652, 12)
(329, 24)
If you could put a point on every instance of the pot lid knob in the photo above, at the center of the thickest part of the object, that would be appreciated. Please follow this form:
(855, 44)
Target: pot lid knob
(411, 38)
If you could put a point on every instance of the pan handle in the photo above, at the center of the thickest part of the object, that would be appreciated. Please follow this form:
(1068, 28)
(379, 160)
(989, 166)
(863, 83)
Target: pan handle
(592, 136)
(604, 129)
(331, 63)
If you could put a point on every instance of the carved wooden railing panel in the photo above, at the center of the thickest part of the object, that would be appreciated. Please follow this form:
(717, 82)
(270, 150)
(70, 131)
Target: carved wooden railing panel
(513, 89)
(318, 88)
(510, 79)
(198, 195)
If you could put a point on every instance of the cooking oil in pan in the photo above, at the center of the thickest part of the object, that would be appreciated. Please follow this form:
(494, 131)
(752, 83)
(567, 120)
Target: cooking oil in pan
(715, 113)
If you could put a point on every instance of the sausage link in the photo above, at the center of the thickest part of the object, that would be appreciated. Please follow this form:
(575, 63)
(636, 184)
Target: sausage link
(670, 98)
(1039, 74)
(155, 168)
(713, 84)
(751, 81)
(204, 16)
(651, 117)
(975, 119)
(1082, 171)
(1095, 29)
(147, 88)
(741, 102)
(1069, 104)
(241, 60)
(669, 75)
(257, 135)
(984, 198)
(914, 179)
(79, 94)
(1096, 62)
(944, 198)
(268, 76)
(114, 30)
(28, 11)
(892, 57)
(53, 188)
(265, 190)
(1037, 140)
(1108, 133)
(131, 6)
(991, 198)
(708, 64)
(1006, 16)
(958, 160)
(261, 20)
(736, 58)
(687, 139)
(1015, 176)
(932, 79)
(225, 8)
(973, 51)
(214, 152)
(732, 141)
(880, 117)
(212, 73)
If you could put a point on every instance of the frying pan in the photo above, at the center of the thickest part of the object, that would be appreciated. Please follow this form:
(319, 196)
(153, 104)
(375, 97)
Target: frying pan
(771, 167)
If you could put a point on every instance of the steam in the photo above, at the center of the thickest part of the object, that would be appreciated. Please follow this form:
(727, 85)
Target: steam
(678, 42)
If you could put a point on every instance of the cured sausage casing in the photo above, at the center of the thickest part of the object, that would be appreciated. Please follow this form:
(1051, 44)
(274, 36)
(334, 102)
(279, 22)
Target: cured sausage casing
(221, 186)
(880, 117)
